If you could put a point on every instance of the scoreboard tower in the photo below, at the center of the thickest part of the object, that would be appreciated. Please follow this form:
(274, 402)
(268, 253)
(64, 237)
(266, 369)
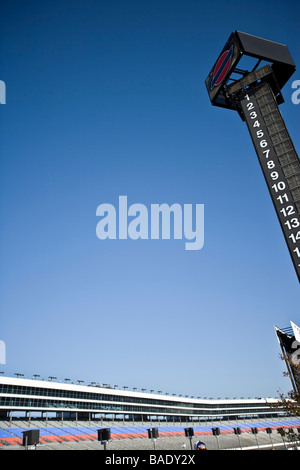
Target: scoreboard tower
(289, 341)
(256, 95)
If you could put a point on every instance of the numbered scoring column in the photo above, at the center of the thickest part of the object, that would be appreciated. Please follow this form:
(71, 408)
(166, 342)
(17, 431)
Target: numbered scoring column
(286, 209)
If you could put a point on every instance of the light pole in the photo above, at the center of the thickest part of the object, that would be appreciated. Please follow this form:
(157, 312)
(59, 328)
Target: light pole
(189, 432)
(216, 433)
(237, 432)
(255, 431)
(269, 431)
(281, 432)
(153, 434)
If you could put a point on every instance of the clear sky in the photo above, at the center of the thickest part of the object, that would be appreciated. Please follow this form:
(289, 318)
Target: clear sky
(107, 98)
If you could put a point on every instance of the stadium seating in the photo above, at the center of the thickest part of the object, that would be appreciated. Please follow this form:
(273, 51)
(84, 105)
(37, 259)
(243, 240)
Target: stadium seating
(71, 435)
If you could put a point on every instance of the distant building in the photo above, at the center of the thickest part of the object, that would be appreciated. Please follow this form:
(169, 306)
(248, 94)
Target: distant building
(69, 401)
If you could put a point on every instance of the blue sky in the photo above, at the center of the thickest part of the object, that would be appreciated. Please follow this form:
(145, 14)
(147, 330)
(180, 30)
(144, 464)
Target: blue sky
(107, 98)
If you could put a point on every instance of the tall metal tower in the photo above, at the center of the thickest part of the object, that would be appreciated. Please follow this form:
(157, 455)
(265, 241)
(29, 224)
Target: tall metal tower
(256, 95)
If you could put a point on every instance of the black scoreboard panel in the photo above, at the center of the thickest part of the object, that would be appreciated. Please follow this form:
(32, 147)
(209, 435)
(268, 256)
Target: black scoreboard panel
(279, 161)
(270, 51)
(227, 60)
(241, 45)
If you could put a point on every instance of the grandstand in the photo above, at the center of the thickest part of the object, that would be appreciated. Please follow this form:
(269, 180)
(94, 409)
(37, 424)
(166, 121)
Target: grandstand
(68, 417)
(133, 436)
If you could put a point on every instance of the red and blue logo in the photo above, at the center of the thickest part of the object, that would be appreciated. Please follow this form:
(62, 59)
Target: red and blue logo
(221, 68)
